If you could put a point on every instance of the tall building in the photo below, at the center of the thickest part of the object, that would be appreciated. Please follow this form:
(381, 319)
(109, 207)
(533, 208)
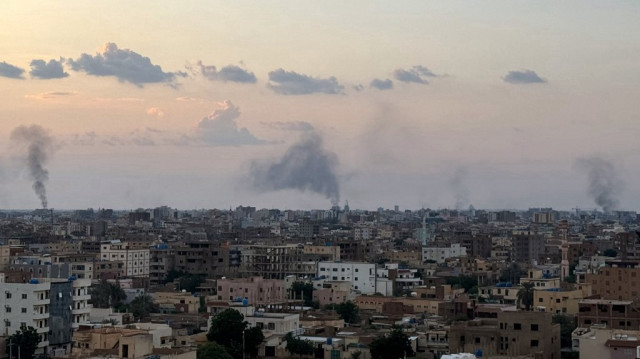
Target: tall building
(361, 275)
(619, 280)
(135, 258)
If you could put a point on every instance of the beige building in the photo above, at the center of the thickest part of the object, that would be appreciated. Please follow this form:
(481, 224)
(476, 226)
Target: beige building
(619, 280)
(557, 301)
(181, 302)
(135, 258)
(257, 290)
(513, 333)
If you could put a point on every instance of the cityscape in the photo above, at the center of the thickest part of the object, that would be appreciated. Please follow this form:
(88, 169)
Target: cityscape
(421, 179)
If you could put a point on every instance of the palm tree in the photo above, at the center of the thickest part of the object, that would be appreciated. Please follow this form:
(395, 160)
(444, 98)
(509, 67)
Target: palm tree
(525, 295)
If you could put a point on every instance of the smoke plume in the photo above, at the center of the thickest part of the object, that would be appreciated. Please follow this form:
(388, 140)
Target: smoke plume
(38, 144)
(604, 184)
(305, 166)
(459, 188)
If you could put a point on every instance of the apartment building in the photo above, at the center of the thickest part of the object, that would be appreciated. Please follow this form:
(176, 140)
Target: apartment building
(361, 275)
(612, 314)
(513, 333)
(618, 280)
(135, 257)
(257, 290)
(441, 254)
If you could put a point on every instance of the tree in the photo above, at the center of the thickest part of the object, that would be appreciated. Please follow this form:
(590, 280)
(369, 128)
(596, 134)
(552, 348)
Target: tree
(27, 339)
(107, 295)
(143, 305)
(396, 345)
(212, 350)
(463, 281)
(298, 346)
(348, 311)
(512, 274)
(307, 292)
(610, 253)
(567, 326)
(227, 329)
(525, 295)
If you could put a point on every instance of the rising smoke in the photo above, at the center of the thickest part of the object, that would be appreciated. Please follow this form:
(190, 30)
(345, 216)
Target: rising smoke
(459, 188)
(38, 145)
(305, 166)
(604, 184)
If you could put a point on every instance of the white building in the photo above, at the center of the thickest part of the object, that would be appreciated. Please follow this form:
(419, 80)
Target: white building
(361, 275)
(135, 260)
(440, 254)
(37, 304)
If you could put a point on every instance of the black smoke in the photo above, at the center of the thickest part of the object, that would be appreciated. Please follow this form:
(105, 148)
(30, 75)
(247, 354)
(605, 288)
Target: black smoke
(604, 185)
(306, 165)
(38, 144)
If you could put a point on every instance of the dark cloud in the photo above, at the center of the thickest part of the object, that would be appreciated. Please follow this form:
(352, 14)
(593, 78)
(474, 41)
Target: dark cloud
(125, 65)
(290, 126)
(53, 69)
(229, 73)
(220, 128)
(382, 84)
(38, 146)
(417, 74)
(292, 83)
(306, 165)
(523, 77)
(10, 71)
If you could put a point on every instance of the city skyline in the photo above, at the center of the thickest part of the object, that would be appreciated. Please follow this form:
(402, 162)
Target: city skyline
(298, 104)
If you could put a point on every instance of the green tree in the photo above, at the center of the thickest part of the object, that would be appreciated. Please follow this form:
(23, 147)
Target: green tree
(190, 282)
(307, 292)
(348, 311)
(567, 326)
(610, 253)
(228, 328)
(142, 306)
(463, 281)
(525, 295)
(27, 339)
(212, 350)
(356, 355)
(107, 295)
(513, 273)
(396, 345)
(298, 346)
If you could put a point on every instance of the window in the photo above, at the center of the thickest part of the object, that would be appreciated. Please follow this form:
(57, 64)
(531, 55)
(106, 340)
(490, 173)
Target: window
(477, 340)
(8, 309)
(23, 310)
(517, 326)
(540, 300)
(534, 343)
(24, 295)
(8, 295)
(534, 327)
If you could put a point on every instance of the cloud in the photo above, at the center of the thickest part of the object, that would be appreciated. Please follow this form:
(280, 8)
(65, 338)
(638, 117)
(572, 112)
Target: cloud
(51, 95)
(220, 128)
(155, 112)
(229, 73)
(604, 183)
(292, 83)
(290, 126)
(125, 65)
(10, 71)
(417, 74)
(53, 69)
(382, 84)
(523, 77)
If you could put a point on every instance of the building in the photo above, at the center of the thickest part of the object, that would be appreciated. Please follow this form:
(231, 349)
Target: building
(618, 280)
(361, 275)
(441, 254)
(612, 314)
(257, 290)
(134, 257)
(527, 247)
(512, 333)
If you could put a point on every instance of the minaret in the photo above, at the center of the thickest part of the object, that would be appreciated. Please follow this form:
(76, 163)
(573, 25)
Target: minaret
(564, 265)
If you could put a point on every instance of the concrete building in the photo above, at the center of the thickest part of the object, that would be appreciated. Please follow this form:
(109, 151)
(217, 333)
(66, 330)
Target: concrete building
(361, 275)
(257, 290)
(513, 333)
(612, 314)
(618, 280)
(134, 257)
(596, 342)
(440, 254)
(527, 247)
(557, 301)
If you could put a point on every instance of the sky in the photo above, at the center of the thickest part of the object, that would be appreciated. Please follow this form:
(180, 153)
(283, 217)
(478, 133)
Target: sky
(301, 104)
